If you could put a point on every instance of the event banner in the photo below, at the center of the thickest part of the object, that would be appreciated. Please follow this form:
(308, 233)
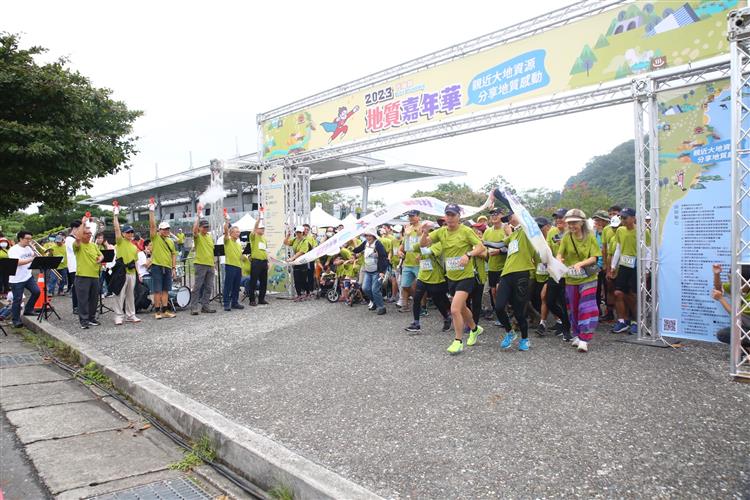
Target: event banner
(272, 199)
(694, 202)
(630, 40)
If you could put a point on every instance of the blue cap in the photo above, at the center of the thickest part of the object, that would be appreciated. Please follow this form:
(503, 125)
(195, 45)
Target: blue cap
(127, 228)
(452, 208)
(627, 212)
(411, 213)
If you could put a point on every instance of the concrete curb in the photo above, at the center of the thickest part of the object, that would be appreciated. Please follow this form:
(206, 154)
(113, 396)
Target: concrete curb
(261, 460)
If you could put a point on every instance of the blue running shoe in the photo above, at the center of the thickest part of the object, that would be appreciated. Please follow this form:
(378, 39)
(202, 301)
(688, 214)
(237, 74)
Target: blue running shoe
(508, 340)
(633, 329)
(524, 345)
(620, 327)
(497, 323)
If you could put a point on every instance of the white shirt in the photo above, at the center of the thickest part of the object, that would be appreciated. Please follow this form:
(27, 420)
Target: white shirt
(140, 264)
(71, 256)
(23, 273)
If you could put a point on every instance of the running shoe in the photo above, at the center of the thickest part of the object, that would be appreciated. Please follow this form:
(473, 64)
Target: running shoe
(423, 313)
(633, 329)
(620, 327)
(157, 315)
(473, 335)
(575, 342)
(497, 323)
(133, 319)
(94, 323)
(583, 346)
(371, 306)
(508, 340)
(558, 328)
(168, 314)
(524, 345)
(237, 306)
(456, 347)
(413, 327)
(381, 311)
(447, 324)
(541, 329)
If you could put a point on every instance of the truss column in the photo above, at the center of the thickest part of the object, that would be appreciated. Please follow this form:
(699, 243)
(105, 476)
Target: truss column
(739, 38)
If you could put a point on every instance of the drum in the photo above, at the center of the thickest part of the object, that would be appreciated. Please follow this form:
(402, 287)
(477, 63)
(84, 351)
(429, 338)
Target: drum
(180, 297)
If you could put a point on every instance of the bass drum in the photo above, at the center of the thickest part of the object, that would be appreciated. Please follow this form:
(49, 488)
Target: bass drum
(180, 297)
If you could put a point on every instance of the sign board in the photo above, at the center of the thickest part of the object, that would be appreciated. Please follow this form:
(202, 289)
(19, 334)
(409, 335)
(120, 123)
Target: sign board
(272, 193)
(694, 128)
(633, 39)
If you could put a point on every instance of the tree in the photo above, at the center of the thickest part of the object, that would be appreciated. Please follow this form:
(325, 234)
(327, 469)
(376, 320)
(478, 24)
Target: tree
(328, 199)
(451, 192)
(540, 201)
(57, 132)
(587, 198)
(498, 182)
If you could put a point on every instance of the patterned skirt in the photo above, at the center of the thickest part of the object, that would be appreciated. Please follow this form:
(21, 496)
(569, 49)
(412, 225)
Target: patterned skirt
(582, 309)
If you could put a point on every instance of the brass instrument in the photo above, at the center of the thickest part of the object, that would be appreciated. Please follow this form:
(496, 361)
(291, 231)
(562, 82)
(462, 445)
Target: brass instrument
(40, 251)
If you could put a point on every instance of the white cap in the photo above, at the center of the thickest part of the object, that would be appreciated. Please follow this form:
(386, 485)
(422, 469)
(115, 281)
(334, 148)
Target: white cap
(164, 225)
(371, 231)
(398, 228)
(615, 221)
(299, 229)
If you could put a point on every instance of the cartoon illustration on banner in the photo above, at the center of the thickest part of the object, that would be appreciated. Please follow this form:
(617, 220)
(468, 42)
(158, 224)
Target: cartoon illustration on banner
(629, 40)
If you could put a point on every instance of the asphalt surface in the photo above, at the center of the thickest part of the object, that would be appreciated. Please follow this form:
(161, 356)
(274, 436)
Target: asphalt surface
(18, 477)
(399, 416)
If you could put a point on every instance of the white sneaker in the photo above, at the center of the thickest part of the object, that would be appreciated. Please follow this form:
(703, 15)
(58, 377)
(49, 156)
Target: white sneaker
(583, 346)
(134, 319)
(399, 304)
(575, 342)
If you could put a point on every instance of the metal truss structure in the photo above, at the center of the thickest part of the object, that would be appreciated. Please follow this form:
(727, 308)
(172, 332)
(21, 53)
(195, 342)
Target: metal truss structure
(739, 37)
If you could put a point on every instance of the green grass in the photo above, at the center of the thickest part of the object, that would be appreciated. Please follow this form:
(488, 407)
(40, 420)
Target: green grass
(281, 492)
(93, 374)
(202, 451)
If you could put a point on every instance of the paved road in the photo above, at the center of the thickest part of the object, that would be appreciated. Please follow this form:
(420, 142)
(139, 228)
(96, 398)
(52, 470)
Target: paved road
(18, 478)
(398, 415)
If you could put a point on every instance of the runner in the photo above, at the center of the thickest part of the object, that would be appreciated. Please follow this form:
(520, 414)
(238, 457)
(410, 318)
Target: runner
(579, 251)
(555, 294)
(514, 285)
(431, 281)
(495, 234)
(539, 284)
(623, 271)
(396, 264)
(375, 265)
(609, 284)
(601, 221)
(481, 266)
(388, 242)
(409, 252)
(460, 245)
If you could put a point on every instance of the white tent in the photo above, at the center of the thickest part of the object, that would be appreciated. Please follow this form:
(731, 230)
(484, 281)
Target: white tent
(349, 220)
(320, 218)
(246, 223)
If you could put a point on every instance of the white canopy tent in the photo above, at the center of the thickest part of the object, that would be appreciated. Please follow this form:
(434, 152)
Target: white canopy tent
(245, 223)
(321, 218)
(349, 220)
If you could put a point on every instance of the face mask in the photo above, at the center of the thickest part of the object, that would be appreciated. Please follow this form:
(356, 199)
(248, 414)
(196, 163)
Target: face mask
(4, 245)
(328, 235)
(398, 236)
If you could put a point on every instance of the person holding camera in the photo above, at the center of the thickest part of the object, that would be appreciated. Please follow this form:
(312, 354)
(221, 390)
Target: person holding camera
(580, 252)
(128, 253)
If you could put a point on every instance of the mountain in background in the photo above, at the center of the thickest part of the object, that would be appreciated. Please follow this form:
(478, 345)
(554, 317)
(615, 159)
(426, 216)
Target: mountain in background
(613, 173)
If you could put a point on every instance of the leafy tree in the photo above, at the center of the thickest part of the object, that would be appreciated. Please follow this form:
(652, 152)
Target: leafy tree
(540, 201)
(57, 131)
(613, 173)
(587, 198)
(498, 181)
(330, 198)
(451, 192)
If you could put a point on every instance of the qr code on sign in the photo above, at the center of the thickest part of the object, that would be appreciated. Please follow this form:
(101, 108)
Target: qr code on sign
(669, 325)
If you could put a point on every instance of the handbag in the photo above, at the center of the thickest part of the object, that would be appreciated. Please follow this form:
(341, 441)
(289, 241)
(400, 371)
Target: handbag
(591, 269)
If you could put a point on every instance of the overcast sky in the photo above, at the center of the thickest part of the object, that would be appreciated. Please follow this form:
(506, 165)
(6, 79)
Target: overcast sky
(201, 71)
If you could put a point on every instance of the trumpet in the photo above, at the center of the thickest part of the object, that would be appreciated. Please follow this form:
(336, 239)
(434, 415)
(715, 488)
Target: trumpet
(40, 251)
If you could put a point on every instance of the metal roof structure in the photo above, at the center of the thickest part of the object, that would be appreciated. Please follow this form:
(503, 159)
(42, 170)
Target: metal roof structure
(377, 175)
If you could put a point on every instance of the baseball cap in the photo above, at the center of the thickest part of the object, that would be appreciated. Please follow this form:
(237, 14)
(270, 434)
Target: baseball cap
(542, 221)
(411, 213)
(627, 212)
(559, 213)
(127, 228)
(164, 225)
(452, 208)
(371, 231)
(299, 229)
(496, 211)
(203, 223)
(601, 214)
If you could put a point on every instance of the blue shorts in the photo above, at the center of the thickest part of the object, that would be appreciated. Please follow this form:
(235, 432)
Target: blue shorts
(408, 275)
(161, 278)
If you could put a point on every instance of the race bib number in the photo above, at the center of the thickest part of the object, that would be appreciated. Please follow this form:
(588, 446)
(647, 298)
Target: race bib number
(576, 273)
(453, 264)
(425, 265)
(425, 250)
(627, 261)
(261, 246)
(512, 247)
(410, 243)
(541, 268)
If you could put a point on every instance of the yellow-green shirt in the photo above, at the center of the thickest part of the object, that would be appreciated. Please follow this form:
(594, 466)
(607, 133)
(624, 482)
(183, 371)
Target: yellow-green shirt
(126, 251)
(180, 238)
(258, 247)
(204, 249)
(232, 252)
(455, 245)
(587, 247)
(60, 251)
(553, 239)
(245, 265)
(496, 262)
(431, 266)
(411, 248)
(86, 255)
(344, 270)
(521, 254)
(162, 250)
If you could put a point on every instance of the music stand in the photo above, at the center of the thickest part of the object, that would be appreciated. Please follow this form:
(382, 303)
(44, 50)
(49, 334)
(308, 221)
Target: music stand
(8, 266)
(218, 252)
(44, 264)
(109, 256)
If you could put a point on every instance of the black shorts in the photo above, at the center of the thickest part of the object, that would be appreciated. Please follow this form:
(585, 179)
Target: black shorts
(465, 285)
(493, 278)
(626, 280)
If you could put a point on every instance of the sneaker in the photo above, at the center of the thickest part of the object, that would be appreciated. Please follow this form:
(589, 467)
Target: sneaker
(620, 327)
(134, 319)
(633, 329)
(575, 342)
(497, 323)
(473, 335)
(194, 312)
(413, 327)
(157, 315)
(423, 313)
(94, 322)
(252, 303)
(381, 311)
(118, 322)
(447, 323)
(583, 346)
(541, 329)
(168, 314)
(404, 310)
(371, 307)
(228, 309)
(237, 306)
(208, 310)
(567, 337)
(456, 347)
(263, 302)
(524, 345)
(508, 340)
(83, 326)
(558, 328)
